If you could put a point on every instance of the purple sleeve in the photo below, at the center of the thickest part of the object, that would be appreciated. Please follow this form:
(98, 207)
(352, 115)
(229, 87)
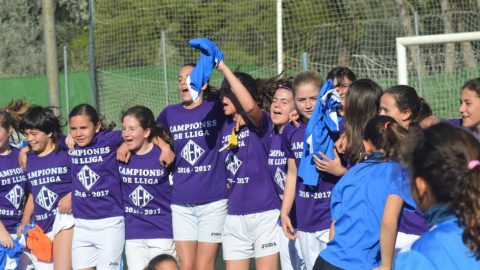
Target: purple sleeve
(341, 126)
(162, 118)
(114, 136)
(264, 128)
(456, 122)
(62, 142)
(287, 143)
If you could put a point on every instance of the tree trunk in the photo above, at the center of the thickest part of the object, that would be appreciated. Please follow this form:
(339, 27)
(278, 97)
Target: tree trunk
(448, 28)
(403, 6)
(342, 40)
(466, 47)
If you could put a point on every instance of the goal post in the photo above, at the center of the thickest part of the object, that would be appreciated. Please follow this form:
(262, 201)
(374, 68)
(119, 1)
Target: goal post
(403, 42)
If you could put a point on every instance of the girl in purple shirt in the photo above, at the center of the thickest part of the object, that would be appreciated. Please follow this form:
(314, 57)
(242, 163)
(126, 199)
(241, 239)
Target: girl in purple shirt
(49, 184)
(99, 234)
(13, 183)
(199, 191)
(403, 104)
(280, 109)
(251, 225)
(312, 203)
(146, 190)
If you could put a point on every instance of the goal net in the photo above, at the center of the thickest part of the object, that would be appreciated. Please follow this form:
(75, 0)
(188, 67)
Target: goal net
(360, 34)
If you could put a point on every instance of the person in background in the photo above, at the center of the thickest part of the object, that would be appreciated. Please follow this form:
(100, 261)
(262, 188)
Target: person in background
(444, 167)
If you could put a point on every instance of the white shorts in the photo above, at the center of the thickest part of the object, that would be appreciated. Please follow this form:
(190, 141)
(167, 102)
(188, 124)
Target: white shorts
(98, 242)
(404, 242)
(252, 235)
(290, 253)
(199, 222)
(62, 222)
(311, 244)
(139, 252)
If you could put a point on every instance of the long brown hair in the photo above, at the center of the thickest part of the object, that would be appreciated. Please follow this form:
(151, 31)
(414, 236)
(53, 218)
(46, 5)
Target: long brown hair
(440, 155)
(363, 103)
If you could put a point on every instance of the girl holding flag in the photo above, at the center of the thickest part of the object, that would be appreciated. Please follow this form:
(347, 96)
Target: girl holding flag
(310, 191)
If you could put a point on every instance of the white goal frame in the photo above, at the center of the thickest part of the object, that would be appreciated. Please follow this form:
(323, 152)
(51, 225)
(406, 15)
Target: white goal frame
(404, 42)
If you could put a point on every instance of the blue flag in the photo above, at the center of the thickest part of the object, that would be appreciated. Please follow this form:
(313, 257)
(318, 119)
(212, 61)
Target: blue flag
(320, 134)
(210, 56)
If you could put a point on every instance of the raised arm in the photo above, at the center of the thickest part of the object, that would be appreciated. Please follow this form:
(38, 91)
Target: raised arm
(249, 106)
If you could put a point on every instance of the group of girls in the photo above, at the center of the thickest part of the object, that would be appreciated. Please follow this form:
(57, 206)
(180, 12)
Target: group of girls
(87, 189)
(358, 214)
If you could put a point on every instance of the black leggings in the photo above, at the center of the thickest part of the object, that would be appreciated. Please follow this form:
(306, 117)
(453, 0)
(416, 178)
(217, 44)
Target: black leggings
(321, 264)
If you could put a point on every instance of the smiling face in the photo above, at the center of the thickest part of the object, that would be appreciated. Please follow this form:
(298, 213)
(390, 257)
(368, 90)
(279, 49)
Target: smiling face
(40, 142)
(282, 105)
(182, 84)
(134, 135)
(83, 130)
(388, 106)
(342, 88)
(305, 99)
(470, 108)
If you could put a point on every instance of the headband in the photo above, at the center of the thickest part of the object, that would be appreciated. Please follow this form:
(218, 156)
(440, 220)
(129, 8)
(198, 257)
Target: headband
(286, 87)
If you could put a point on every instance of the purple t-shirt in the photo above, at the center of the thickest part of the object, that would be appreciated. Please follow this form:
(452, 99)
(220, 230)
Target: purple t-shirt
(49, 180)
(277, 163)
(312, 203)
(199, 175)
(12, 190)
(147, 197)
(251, 186)
(412, 222)
(96, 182)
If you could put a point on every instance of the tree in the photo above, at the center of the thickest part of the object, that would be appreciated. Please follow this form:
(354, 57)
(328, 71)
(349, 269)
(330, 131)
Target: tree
(21, 28)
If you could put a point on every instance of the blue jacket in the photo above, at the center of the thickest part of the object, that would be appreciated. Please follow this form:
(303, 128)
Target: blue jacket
(440, 248)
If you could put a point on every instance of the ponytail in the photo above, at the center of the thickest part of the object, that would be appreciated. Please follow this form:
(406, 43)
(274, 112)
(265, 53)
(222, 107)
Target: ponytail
(12, 114)
(440, 155)
(385, 134)
(407, 98)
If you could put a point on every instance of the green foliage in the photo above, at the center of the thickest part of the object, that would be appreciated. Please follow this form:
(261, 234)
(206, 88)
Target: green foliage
(21, 28)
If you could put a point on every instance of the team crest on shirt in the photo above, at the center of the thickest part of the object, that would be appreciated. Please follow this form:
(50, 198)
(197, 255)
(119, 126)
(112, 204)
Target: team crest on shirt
(46, 198)
(280, 177)
(232, 162)
(87, 177)
(15, 196)
(140, 197)
(191, 152)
